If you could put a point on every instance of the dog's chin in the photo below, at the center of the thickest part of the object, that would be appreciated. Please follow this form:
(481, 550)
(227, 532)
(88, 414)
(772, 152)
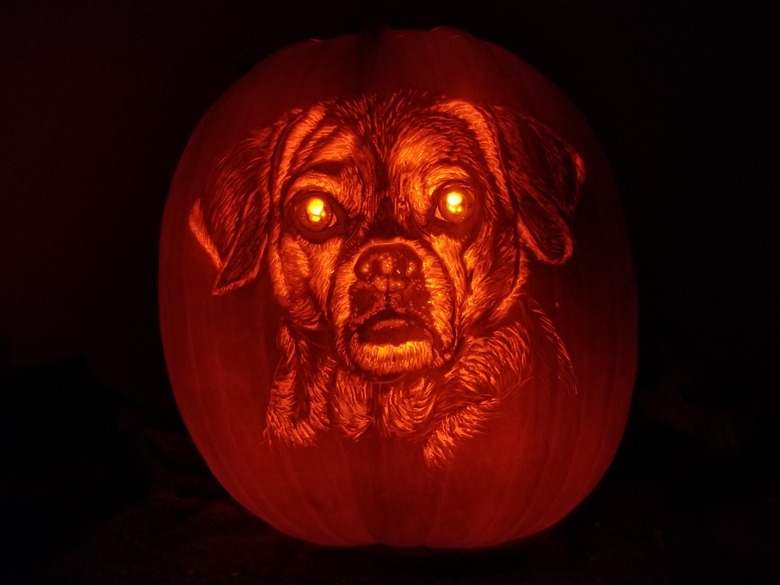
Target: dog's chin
(392, 346)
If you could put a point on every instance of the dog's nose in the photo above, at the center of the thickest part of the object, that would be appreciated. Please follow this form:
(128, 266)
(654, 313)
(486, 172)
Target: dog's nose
(389, 267)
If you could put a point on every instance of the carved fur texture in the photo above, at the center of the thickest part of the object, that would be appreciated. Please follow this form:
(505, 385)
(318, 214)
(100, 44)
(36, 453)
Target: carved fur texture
(397, 232)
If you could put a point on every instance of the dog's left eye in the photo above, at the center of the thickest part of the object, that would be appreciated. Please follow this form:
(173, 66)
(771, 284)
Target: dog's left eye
(315, 213)
(455, 205)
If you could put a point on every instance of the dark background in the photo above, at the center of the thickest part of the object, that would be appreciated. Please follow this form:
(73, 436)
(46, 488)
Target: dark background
(99, 482)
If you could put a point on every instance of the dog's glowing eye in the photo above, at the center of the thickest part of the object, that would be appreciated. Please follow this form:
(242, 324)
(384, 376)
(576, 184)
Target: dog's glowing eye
(454, 202)
(315, 213)
(455, 205)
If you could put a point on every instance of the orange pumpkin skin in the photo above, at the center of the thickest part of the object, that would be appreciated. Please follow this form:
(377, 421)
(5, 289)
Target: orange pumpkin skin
(532, 460)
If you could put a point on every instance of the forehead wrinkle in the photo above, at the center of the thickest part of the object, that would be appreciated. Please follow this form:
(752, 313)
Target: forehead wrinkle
(419, 147)
(411, 159)
(433, 149)
(379, 124)
(438, 138)
(329, 144)
(331, 148)
(298, 134)
(356, 171)
(371, 131)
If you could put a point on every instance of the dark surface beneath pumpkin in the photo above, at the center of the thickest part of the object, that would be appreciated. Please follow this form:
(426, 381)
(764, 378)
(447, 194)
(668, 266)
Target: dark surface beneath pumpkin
(88, 501)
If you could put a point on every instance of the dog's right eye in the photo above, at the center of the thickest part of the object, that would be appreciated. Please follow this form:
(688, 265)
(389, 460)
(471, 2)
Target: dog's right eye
(456, 205)
(315, 213)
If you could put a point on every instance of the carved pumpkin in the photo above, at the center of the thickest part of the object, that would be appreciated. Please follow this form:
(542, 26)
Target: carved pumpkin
(396, 297)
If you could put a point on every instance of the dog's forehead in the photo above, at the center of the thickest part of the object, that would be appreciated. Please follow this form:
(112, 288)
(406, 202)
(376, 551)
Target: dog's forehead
(381, 141)
(400, 148)
(403, 127)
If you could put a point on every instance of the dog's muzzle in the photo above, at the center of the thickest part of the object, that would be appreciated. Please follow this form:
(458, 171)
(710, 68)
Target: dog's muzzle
(391, 321)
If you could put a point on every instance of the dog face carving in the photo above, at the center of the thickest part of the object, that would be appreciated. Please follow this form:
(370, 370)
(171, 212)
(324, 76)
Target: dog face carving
(397, 231)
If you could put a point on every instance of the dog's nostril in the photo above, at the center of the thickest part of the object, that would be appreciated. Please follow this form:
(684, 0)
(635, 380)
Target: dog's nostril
(388, 266)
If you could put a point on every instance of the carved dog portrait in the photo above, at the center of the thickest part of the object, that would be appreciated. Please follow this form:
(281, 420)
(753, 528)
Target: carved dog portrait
(397, 232)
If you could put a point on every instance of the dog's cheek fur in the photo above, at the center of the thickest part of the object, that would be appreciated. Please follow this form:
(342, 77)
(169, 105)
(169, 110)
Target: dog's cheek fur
(298, 406)
(482, 275)
(340, 305)
(451, 253)
(440, 282)
(491, 262)
(322, 258)
(494, 267)
(292, 271)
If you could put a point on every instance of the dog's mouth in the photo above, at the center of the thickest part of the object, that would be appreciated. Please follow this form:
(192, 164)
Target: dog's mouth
(391, 328)
(389, 343)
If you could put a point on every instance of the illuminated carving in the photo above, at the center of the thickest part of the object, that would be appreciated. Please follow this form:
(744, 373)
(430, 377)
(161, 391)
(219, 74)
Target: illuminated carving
(397, 232)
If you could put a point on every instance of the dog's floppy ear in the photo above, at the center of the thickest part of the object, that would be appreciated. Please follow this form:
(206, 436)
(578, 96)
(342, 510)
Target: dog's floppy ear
(544, 175)
(230, 220)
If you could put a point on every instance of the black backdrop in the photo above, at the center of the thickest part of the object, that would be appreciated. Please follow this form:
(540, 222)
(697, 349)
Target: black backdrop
(98, 102)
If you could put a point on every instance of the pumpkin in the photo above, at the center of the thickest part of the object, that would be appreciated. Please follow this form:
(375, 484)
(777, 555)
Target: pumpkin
(396, 297)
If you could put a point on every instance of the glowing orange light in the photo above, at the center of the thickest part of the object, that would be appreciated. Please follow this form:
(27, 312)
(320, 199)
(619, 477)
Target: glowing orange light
(316, 210)
(456, 205)
(315, 213)
(455, 202)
